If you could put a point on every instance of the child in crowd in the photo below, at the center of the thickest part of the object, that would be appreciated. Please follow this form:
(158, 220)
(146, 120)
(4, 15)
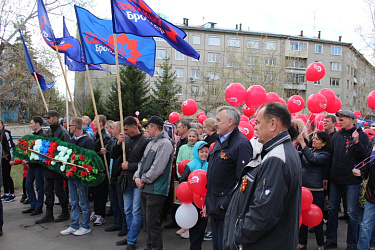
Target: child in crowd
(200, 154)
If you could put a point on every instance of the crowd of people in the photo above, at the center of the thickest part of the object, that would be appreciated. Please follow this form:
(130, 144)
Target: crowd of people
(254, 186)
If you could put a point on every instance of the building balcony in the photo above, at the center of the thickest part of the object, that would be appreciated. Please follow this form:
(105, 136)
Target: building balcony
(295, 86)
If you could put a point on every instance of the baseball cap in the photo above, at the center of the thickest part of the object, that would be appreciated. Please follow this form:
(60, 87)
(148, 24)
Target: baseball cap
(52, 113)
(346, 113)
(155, 120)
(203, 145)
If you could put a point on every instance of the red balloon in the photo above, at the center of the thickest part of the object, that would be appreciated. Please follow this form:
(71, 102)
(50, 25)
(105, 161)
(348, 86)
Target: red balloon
(335, 107)
(365, 124)
(282, 100)
(244, 118)
(311, 117)
(370, 133)
(174, 117)
(315, 72)
(371, 100)
(312, 216)
(316, 103)
(198, 181)
(272, 97)
(199, 200)
(200, 113)
(92, 127)
(246, 129)
(357, 114)
(202, 118)
(255, 96)
(302, 117)
(319, 119)
(295, 103)
(252, 122)
(189, 107)
(211, 146)
(184, 194)
(181, 166)
(307, 198)
(329, 95)
(248, 111)
(235, 94)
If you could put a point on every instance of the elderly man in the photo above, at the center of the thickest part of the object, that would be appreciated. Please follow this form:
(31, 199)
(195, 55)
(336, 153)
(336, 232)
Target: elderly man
(87, 125)
(264, 211)
(350, 147)
(230, 154)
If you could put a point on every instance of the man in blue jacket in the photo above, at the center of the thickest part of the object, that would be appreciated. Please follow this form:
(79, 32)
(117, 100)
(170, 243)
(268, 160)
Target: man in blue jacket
(350, 147)
(229, 156)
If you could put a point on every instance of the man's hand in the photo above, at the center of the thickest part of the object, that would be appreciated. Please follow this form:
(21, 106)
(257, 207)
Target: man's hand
(325, 184)
(11, 162)
(355, 136)
(139, 184)
(103, 151)
(356, 172)
(124, 165)
(121, 138)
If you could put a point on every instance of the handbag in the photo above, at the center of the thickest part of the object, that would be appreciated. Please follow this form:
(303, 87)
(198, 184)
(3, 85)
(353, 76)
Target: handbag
(122, 180)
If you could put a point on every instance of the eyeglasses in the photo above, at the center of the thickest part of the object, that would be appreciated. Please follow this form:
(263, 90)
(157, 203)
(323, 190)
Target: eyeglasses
(72, 125)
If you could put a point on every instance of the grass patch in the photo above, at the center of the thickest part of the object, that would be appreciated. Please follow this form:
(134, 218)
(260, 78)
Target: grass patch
(16, 173)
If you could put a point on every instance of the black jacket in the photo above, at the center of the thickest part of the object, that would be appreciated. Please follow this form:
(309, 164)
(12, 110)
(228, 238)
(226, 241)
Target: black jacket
(369, 170)
(211, 138)
(107, 141)
(40, 133)
(7, 144)
(346, 155)
(84, 141)
(226, 161)
(136, 157)
(314, 163)
(57, 131)
(265, 213)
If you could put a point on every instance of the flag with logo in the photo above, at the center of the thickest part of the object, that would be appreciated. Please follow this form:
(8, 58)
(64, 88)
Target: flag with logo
(136, 17)
(42, 81)
(69, 45)
(74, 65)
(98, 44)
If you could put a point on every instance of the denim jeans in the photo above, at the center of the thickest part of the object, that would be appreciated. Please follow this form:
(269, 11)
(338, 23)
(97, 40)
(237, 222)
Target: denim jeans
(118, 212)
(79, 200)
(37, 175)
(367, 226)
(352, 194)
(133, 211)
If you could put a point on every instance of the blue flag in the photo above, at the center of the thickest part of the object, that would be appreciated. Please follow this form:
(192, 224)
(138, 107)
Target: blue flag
(74, 65)
(69, 46)
(98, 44)
(136, 17)
(41, 80)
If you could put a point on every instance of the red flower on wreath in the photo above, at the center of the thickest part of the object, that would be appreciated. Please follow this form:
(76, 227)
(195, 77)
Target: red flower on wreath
(73, 169)
(84, 165)
(68, 174)
(84, 173)
(89, 168)
(81, 157)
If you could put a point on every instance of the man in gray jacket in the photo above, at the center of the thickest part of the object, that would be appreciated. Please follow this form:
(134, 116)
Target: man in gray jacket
(153, 177)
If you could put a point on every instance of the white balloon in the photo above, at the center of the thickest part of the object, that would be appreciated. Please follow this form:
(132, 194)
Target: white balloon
(187, 216)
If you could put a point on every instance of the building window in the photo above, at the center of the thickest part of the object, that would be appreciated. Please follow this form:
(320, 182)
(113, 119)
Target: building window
(179, 73)
(270, 61)
(335, 82)
(194, 90)
(179, 56)
(336, 50)
(269, 77)
(158, 71)
(318, 48)
(253, 44)
(214, 40)
(298, 46)
(232, 64)
(195, 73)
(159, 39)
(161, 53)
(295, 78)
(318, 83)
(270, 45)
(252, 60)
(335, 66)
(212, 76)
(234, 42)
(180, 90)
(213, 57)
(298, 63)
(196, 39)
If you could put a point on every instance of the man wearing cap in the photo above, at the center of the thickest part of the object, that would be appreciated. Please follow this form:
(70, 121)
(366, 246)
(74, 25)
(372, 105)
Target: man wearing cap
(153, 177)
(53, 181)
(350, 147)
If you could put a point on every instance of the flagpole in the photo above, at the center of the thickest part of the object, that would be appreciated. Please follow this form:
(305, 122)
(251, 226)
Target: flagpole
(66, 81)
(97, 120)
(66, 104)
(119, 98)
(41, 92)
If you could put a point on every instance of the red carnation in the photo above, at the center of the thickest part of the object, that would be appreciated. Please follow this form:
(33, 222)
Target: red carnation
(68, 174)
(74, 168)
(89, 168)
(81, 157)
(84, 165)
(84, 173)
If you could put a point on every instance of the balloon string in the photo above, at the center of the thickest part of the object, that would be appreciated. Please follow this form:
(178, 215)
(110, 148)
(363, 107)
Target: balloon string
(305, 127)
(300, 87)
(365, 162)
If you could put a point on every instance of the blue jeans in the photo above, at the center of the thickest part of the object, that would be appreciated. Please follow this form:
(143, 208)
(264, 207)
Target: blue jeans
(352, 199)
(133, 211)
(37, 175)
(117, 205)
(79, 200)
(367, 226)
